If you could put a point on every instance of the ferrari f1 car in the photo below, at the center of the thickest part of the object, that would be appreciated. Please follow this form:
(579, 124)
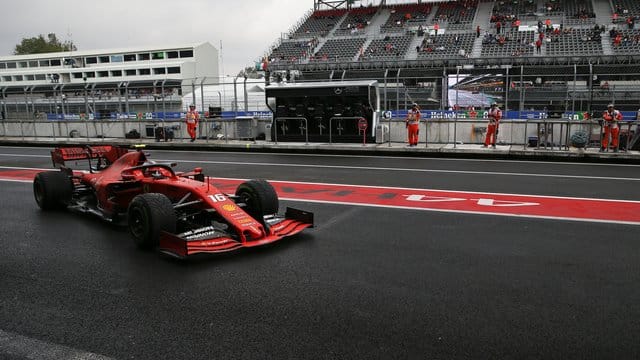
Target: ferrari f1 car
(181, 213)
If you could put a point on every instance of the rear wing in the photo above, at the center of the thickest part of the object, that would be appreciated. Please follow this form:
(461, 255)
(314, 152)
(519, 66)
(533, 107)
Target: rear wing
(105, 153)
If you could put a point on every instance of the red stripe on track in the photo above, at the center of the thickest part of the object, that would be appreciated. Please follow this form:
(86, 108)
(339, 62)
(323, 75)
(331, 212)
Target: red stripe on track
(595, 210)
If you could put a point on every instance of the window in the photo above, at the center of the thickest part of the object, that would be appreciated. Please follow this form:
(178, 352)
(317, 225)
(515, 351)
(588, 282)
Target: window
(103, 59)
(103, 74)
(172, 54)
(33, 63)
(117, 58)
(91, 60)
(144, 71)
(44, 63)
(116, 73)
(6, 78)
(11, 65)
(29, 77)
(186, 53)
(129, 57)
(130, 72)
(90, 74)
(55, 62)
(22, 64)
(159, 71)
(77, 75)
(173, 70)
(17, 77)
(157, 56)
(143, 57)
(3, 65)
(41, 77)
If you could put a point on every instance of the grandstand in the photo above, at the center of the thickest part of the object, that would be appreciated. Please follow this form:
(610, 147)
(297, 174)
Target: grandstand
(413, 45)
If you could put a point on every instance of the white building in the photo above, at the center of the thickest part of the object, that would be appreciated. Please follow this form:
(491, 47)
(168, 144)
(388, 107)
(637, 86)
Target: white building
(105, 80)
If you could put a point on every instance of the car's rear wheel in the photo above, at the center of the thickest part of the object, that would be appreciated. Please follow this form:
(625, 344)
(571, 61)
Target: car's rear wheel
(260, 198)
(148, 215)
(52, 190)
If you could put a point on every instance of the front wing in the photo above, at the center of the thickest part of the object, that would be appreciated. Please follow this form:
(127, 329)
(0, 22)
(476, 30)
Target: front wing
(210, 240)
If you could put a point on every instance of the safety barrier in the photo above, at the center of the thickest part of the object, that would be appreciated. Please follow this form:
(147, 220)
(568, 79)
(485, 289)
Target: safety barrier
(552, 134)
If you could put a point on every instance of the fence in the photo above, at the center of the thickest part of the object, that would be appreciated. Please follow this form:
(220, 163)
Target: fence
(552, 134)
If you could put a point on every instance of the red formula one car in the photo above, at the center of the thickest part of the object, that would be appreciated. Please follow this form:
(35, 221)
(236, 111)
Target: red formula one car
(179, 213)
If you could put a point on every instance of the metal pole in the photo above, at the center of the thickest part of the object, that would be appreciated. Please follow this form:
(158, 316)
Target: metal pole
(26, 102)
(386, 72)
(246, 97)
(164, 102)
(397, 92)
(590, 87)
(86, 100)
(126, 98)
(506, 99)
(193, 91)
(202, 106)
(455, 124)
(573, 96)
(235, 96)
(4, 104)
(33, 107)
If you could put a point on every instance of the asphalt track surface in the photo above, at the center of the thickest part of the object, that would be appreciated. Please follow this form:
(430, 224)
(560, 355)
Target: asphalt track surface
(366, 282)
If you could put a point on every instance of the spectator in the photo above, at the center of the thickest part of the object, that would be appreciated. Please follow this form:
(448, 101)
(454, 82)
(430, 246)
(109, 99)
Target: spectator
(617, 40)
(516, 24)
(436, 27)
(538, 46)
(478, 31)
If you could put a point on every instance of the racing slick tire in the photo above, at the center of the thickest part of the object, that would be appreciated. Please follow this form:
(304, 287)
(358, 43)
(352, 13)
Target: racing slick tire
(148, 215)
(53, 190)
(260, 198)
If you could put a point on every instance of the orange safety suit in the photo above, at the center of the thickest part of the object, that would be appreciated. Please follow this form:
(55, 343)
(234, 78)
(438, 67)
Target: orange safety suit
(413, 126)
(495, 114)
(192, 119)
(610, 127)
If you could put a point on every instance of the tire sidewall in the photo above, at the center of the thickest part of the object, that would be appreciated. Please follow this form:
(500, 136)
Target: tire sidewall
(148, 216)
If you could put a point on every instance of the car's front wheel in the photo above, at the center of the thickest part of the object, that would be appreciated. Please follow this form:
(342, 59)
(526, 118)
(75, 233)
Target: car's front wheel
(148, 215)
(260, 198)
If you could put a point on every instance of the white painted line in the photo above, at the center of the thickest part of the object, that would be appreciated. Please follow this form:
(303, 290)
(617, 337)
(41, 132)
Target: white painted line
(16, 345)
(411, 158)
(372, 168)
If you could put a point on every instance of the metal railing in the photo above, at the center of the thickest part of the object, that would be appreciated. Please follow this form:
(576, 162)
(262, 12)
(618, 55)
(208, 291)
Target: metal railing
(283, 120)
(550, 134)
(355, 118)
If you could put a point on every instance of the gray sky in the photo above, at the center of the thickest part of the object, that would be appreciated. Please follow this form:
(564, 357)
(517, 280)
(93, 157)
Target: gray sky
(246, 27)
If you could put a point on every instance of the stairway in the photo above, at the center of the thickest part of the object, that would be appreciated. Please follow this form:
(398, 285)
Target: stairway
(482, 18)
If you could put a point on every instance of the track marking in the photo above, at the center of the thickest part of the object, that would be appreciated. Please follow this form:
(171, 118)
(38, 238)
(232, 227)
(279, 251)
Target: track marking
(16, 345)
(516, 205)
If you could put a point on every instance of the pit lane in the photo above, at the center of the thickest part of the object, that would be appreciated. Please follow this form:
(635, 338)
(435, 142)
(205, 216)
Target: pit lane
(367, 282)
